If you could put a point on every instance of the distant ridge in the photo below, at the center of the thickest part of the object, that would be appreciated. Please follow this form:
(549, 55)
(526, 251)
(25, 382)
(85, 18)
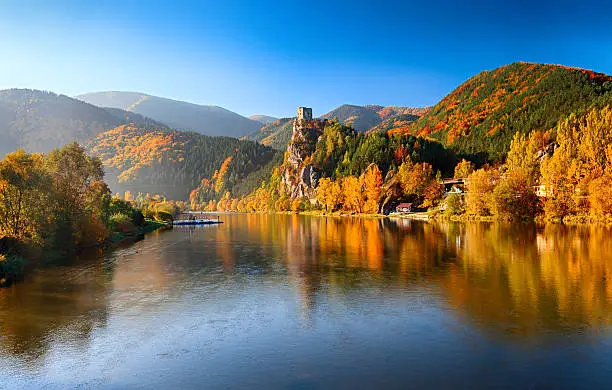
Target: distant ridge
(264, 119)
(39, 121)
(364, 118)
(208, 120)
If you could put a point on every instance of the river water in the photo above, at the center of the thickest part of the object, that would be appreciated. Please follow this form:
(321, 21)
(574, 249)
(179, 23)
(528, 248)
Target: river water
(298, 302)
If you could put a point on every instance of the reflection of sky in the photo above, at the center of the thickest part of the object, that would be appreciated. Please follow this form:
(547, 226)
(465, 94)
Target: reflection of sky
(285, 316)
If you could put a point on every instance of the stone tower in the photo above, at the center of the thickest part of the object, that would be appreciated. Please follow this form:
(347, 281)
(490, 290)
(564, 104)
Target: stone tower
(304, 113)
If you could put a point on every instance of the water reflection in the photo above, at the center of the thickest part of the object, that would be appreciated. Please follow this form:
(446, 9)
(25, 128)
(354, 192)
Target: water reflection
(512, 283)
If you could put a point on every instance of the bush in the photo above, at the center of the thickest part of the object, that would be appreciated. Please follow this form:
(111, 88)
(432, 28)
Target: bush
(122, 223)
(455, 204)
(11, 268)
(138, 218)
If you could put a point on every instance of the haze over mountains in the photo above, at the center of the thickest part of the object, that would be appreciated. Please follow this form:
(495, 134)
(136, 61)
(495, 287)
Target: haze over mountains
(264, 119)
(208, 120)
(39, 121)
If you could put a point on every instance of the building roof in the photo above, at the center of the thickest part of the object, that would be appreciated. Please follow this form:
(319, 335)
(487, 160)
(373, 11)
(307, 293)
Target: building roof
(404, 205)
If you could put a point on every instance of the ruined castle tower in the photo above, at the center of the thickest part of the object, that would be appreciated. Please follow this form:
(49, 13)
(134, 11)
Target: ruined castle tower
(304, 113)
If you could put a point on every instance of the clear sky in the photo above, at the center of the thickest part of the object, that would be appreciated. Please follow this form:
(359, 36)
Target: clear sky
(268, 57)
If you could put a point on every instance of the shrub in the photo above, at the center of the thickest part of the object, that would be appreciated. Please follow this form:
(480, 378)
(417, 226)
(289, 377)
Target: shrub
(11, 268)
(455, 204)
(122, 223)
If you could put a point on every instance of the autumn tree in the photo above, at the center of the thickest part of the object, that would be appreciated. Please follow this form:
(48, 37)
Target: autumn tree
(220, 176)
(329, 194)
(600, 195)
(24, 192)
(523, 156)
(463, 169)
(352, 194)
(372, 182)
(584, 155)
(514, 197)
(481, 184)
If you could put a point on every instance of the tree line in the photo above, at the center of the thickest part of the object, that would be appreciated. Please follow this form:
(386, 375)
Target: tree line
(55, 203)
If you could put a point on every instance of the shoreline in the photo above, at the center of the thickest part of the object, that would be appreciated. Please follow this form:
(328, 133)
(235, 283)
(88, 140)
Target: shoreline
(427, 216)
(29, 263)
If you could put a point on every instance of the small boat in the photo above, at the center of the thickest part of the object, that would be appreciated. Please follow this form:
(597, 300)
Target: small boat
(189, 218)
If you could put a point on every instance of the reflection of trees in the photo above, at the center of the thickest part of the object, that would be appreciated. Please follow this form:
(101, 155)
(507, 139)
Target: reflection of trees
(513, 278)
(528, 279)
(32, 311)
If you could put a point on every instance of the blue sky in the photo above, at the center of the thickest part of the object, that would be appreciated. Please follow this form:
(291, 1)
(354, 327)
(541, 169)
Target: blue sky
(268, 57)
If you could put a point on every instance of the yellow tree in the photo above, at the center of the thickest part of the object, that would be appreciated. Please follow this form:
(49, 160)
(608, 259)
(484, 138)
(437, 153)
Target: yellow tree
(514, 197)
(481, 184)
(414, 178)
(372, 182)
(221, 174)
(352, 194)
(583, 155)
(463, 169)
(329, 194)
(523, 155)
(600, 195)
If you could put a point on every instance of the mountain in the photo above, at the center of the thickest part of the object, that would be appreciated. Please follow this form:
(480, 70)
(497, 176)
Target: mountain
(263, 119)
(158, 160)
(208, 120)
(481, 116)
(39, 121)
(358, 117)
(363, 118)
(276, 134)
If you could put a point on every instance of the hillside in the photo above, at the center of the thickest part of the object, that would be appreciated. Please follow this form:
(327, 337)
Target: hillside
(172, 163)
(480, 117)
(399, 122)
(275, 135)
(208, 120)
(40, 121)
(364, 118)
(359, 118)
(263, 119)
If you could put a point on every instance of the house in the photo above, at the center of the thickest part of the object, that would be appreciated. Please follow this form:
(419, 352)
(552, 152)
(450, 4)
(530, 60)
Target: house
(404, 208)
(542, 191)
(454, 186)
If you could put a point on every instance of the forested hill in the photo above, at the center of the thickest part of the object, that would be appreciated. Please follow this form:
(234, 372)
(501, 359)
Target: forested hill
(364, 118)
(276, 134)
(39, 121)
(481, 116)
(172, 163)
(208, 120)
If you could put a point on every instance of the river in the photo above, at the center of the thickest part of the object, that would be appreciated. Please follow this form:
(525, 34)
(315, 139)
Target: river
(299, 302)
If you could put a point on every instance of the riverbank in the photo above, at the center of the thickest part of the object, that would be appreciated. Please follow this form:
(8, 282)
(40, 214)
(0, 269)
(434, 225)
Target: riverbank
(14, 265)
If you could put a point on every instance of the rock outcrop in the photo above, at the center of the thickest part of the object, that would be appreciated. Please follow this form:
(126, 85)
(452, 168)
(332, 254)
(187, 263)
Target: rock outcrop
(298, 175)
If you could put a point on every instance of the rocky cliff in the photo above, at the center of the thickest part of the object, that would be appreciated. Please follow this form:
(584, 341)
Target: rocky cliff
(299, 176)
